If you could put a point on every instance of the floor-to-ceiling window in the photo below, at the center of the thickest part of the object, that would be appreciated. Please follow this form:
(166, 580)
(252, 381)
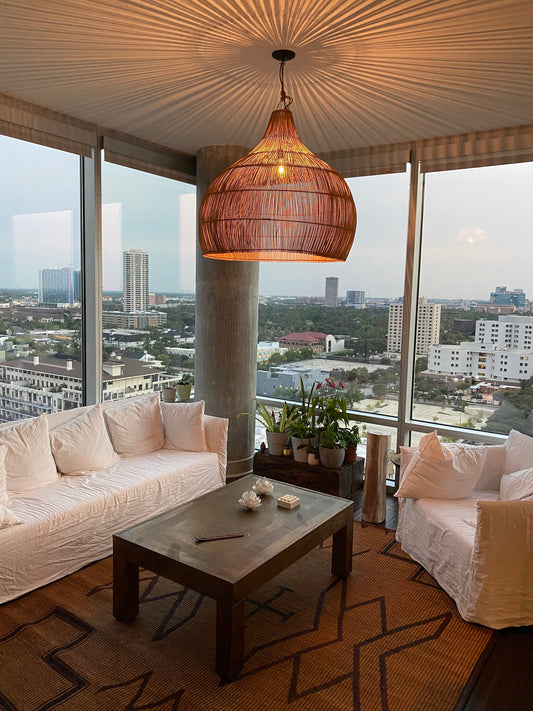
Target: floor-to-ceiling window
(40, 280)
(476, 370)
(470, 360)
(148, 257)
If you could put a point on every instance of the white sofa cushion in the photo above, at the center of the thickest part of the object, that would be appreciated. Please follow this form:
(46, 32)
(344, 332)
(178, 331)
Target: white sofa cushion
(79, 515)
(439, 472)
(8, 518)
(517, 486)
(29, 461)
(4, 498)
(82, 444)
(492, 468)
(136, 426)
(184, 426)
(518, 452)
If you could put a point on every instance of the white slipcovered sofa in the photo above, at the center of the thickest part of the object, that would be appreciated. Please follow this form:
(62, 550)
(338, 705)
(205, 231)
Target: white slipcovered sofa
(466, 515)
(69, 480)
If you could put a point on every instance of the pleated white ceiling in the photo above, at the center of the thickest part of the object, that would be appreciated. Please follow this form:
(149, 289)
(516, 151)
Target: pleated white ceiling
(191, 73)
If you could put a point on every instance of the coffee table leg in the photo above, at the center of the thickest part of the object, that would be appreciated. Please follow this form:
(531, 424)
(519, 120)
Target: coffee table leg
(125, 589)
(229, 639)
(341, 555)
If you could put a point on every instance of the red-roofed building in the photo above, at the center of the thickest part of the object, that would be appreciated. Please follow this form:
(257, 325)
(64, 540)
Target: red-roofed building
(308, 339)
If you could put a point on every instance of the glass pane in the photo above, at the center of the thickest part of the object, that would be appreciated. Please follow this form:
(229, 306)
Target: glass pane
(475, 265)
(149, 238)
(40, 284)
(332, 320)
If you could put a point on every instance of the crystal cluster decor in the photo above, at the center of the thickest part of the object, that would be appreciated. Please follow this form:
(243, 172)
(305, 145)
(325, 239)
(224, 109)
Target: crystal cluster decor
(250, 500)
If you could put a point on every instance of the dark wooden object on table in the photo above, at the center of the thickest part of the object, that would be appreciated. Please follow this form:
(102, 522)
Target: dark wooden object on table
(339, 482)
(229, 570)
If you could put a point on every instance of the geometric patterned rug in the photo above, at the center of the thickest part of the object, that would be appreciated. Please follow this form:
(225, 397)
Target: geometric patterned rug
(386, 639)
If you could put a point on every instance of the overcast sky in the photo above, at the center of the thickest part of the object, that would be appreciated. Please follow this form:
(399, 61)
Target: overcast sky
(478, 229)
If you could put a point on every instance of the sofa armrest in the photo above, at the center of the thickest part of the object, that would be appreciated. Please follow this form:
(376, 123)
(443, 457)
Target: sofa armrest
(216, 432)
(502, 559)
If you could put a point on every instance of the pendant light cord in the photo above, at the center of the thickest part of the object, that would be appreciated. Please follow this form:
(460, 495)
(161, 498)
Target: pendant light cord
(285, 100)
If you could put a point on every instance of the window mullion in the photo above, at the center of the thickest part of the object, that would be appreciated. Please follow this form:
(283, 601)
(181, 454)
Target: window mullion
(410, 299)
(91, 260)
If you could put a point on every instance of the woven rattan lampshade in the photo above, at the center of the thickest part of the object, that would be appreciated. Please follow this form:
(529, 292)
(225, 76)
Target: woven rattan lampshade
(278, 203)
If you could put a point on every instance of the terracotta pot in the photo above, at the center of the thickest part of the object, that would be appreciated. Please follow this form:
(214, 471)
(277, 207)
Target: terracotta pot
(276, 442)
(350, 455)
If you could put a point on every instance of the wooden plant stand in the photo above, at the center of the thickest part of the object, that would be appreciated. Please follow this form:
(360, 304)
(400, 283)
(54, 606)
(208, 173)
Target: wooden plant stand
(339, 482)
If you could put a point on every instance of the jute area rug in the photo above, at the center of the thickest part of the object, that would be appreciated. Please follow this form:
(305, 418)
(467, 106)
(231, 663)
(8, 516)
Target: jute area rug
(386, 638)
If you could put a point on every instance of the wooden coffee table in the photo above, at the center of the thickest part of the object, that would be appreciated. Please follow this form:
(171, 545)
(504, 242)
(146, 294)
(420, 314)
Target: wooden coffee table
(229, 570)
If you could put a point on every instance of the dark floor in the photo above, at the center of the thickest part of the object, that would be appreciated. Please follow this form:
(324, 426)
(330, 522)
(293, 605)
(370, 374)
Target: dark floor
(505, 680)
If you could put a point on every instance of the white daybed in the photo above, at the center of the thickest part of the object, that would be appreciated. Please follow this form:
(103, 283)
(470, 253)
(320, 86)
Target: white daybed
(69, 521)
(479, 547)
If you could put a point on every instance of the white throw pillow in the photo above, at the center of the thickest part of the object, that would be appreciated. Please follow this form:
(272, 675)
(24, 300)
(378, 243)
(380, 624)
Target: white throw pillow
(518, 452)
(82, 445)
(406, 454)
(439, 472)
(4, 498)
(136, 426)
(29, 461)
(184, 426)
(8, 518)
(517, 486)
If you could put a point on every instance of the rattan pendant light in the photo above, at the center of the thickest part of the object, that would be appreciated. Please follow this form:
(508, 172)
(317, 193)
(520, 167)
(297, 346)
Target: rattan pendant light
(280, 202)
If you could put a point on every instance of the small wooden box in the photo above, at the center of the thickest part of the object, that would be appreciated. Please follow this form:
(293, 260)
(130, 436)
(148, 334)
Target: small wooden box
(288, 501)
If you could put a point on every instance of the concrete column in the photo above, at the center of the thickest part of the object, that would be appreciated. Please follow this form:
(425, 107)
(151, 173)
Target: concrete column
(226, 329)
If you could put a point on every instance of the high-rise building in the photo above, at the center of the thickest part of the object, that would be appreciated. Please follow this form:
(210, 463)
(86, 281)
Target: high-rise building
(355, 298)
(135, 280)
(501, 295)
(427, 327)
(59, 285)
(332, 291)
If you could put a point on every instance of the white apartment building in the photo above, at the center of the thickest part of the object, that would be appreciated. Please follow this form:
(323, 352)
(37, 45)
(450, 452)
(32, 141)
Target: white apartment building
(35, 385)
(427, 327)
(502, 352)
(509, 331)
(135, 280)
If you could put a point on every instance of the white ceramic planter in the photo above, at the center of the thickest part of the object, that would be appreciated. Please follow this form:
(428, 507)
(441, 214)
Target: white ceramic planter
(299, 447)
(332, 458)
(276, 442)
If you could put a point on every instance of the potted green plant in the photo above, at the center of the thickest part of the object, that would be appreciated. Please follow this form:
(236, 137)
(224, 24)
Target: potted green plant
(332, 411)
(303, 427)
(184, 387)
(277, 426)
(351, 439)
(331, 449)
